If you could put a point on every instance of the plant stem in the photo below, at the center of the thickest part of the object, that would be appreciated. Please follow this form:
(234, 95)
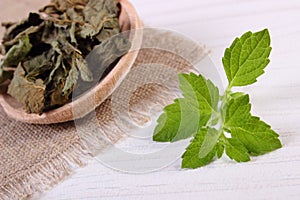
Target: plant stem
(224, 99)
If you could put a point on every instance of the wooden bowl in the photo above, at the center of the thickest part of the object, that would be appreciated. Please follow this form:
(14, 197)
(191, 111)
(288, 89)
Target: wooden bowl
(86, 103)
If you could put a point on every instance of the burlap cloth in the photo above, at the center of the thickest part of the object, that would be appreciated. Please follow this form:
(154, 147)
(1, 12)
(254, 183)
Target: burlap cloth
(33, 158)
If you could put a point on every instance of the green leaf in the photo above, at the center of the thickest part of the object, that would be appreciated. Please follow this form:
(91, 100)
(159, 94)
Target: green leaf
(196, 87)
(236, 151)
(190, 158)
(254, 134)
(211, 139)
(257, 136)
(237, 111)
(247, 57)
(180, 120)
(220, 149)
(185, 116)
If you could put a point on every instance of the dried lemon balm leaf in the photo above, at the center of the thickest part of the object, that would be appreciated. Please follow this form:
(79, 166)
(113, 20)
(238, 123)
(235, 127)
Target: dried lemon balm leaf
(29, 93)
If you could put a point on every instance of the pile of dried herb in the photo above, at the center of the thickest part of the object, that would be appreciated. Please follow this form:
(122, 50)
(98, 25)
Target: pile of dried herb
(47, 55)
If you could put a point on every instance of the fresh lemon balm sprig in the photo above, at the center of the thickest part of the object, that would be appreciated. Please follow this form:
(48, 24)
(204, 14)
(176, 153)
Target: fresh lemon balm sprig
(224, 123)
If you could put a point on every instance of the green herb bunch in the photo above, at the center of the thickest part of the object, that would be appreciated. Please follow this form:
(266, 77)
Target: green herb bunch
(224, 123)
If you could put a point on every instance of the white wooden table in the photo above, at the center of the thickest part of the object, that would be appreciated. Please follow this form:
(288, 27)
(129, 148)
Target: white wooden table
(276, 98)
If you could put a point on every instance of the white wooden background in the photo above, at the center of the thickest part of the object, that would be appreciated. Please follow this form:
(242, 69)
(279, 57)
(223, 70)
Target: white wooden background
(276, 98)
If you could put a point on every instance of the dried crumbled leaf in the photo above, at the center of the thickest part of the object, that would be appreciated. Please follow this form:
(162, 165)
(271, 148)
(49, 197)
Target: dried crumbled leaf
(37, 66)
(30, 94)
(15, 29)
(56, 97)
(14, 56)
(96, 13)
(17, 53)
(109, 29)
(72, 33)
(71, 81)
(106, 54)
(85, 72)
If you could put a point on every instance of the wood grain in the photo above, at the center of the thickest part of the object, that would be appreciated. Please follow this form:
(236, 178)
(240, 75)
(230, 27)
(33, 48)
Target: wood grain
(276, 98)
